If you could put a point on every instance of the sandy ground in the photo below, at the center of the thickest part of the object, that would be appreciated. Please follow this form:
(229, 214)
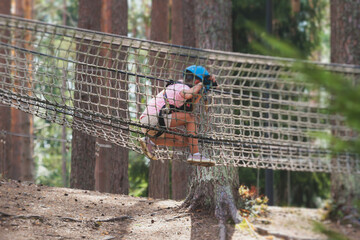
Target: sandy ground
(29, 211)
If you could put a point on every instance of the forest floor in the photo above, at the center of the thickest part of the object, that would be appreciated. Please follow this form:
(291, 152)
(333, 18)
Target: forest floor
(29, 211)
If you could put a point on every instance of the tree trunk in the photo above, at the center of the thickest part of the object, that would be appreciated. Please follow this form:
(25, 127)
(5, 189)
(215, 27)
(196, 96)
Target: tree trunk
(182, 33)
(159, 171)
(345, 48)
(27, 119)
(21, 148)
(83, 145)
(183, 23)
(63, 129)
(213, 24)
(5, 7)
(112, 160)
(5, 116)
(215, 187)
(345, 34)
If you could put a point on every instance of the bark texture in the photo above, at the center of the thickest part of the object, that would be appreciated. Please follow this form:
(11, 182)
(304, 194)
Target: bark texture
(215, 187)
(27, 119)
(63, 130)
(182, 33)
(5, 116)
(21, 148)
(159, 171)
(83, 145)
(183, 23)
(345, 31)
(345, 48)
(5, 7)
(112, 160)
(213, 24)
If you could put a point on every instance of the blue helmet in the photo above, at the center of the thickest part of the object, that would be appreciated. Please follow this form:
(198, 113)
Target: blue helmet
(198, 71)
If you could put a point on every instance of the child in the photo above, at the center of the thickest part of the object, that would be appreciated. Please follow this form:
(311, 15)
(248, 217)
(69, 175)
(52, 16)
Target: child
(172, 108)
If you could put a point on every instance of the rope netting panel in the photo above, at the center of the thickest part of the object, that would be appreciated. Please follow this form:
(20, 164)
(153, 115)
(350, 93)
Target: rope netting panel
(260, 116)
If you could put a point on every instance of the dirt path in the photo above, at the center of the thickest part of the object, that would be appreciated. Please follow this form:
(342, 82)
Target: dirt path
(29, 211)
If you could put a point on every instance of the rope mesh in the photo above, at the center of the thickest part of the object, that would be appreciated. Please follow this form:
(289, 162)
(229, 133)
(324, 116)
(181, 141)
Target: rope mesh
(259, 116)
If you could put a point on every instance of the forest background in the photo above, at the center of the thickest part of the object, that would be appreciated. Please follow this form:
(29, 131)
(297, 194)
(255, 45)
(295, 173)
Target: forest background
(304, 24)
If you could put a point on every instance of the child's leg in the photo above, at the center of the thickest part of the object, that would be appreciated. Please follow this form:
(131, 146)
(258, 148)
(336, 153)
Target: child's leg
(171, 140)
(187, 119)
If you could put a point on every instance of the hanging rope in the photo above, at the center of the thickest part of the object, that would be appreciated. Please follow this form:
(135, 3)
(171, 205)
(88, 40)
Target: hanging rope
(260, 116)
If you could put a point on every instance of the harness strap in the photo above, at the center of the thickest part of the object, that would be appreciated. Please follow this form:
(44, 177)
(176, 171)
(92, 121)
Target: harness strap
(161, 123)
(169, 108)
(167, 104)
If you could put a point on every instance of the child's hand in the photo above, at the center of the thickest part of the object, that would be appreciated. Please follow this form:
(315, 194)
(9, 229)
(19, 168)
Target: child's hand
(209, 82)
(214, 83)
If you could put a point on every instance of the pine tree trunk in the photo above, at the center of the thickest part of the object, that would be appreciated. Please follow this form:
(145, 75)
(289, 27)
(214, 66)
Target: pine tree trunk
(5, 116)
(28, 120)
(345, 34)
(83, 145)
(21, 148)
(183, 23)
(345, 48)
(182, 33)
(119, 180)
(159, 171)
(112, 160)
(213, 24)
(63, 129)
(215, 187)
(82, 161)
(5, 7)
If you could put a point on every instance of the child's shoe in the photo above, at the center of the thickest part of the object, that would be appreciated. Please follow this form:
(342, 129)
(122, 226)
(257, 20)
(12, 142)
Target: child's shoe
(148, 148)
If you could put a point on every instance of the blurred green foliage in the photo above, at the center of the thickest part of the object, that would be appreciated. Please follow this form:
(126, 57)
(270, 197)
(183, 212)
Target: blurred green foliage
(330, 234)
(304, 28)
(52, 11)
(340, 94)
(139, 19)
(47, 153)
(308, 189)
(138, 175)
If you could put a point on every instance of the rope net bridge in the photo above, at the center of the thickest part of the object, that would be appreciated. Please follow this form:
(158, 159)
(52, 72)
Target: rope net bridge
(260, 115)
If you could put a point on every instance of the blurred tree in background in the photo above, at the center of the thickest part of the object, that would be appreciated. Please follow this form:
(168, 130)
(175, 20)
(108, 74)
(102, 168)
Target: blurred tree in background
(299, 22)
(345, 49)
(341, 95)
(20, 148)
(304, 24)
(159, 179)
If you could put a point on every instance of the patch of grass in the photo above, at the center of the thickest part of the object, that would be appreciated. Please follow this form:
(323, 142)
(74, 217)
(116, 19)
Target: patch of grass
(331, 235)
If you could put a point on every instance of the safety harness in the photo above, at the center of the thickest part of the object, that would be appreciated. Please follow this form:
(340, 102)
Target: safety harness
(186, 107)
(170, 108)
